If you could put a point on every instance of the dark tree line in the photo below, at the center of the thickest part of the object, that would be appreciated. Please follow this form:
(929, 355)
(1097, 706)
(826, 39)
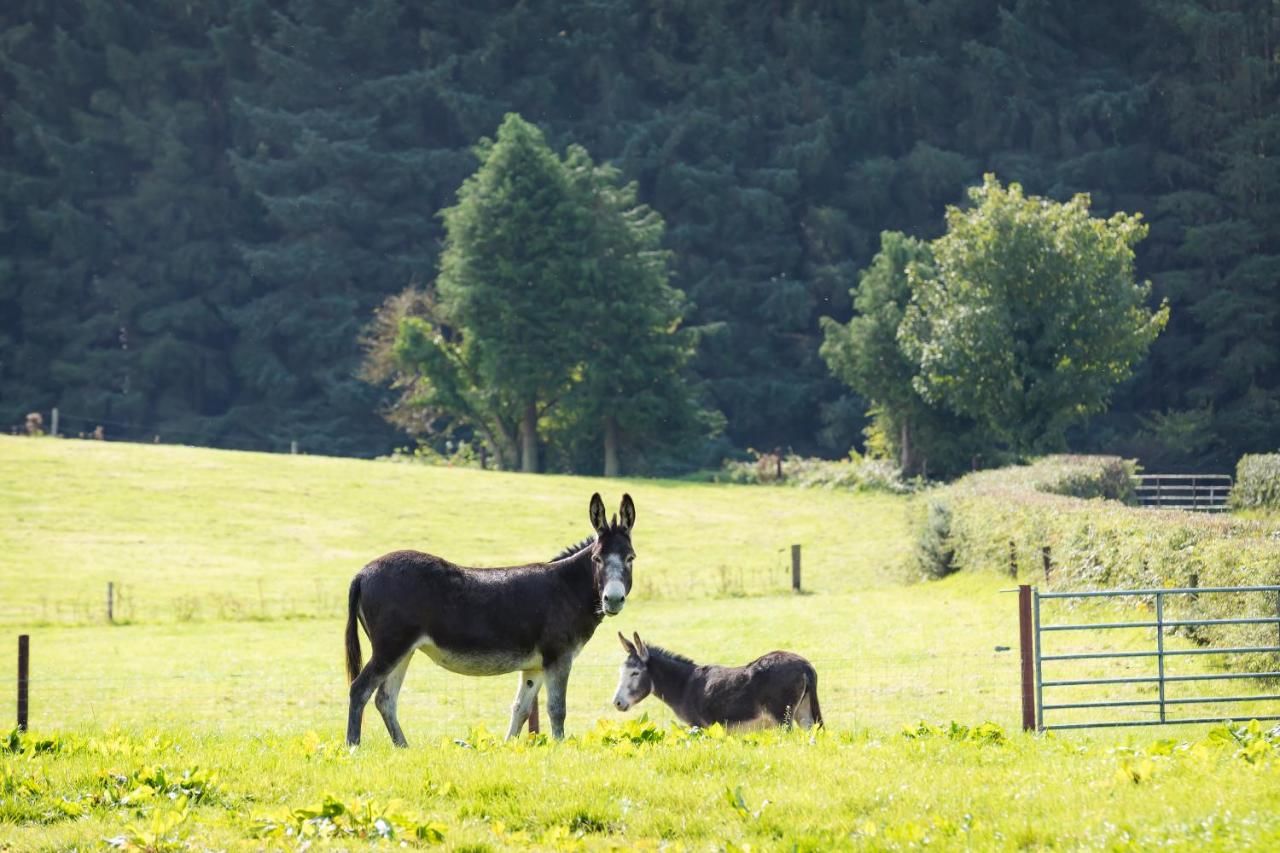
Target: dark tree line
(202, 205)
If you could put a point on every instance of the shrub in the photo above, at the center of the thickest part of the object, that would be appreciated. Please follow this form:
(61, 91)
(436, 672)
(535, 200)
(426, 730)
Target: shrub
(935, 553)
(1257, 482)
(855, 473)
(456, 455)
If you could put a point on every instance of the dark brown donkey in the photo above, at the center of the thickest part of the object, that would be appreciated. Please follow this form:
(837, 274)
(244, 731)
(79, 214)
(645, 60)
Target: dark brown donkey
(533, 618)
(777, 689)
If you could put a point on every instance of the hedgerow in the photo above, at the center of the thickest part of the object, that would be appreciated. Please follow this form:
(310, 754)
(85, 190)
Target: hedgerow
(1257, 482)
(1003, 520)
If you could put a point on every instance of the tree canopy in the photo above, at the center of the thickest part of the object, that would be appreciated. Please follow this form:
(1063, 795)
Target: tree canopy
(868, 355)
(200, 205)
(1029, 315)
(553, 312)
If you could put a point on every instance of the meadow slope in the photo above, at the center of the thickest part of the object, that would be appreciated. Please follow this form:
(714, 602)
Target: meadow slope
(192, 534)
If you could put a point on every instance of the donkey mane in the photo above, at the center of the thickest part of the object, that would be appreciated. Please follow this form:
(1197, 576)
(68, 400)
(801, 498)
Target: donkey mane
(669, 656)
(573, 549)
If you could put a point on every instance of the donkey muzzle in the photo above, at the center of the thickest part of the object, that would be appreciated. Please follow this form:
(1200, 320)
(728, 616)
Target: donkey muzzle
(615, 595)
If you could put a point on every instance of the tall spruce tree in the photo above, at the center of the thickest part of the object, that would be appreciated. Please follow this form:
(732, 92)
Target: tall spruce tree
(330, 146)
(555, 320)
(511, 273)
(633, 396)
(1216, 204)
(116, 156)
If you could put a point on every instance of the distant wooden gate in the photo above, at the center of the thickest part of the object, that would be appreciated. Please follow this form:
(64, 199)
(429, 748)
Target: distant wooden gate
(1200, 492)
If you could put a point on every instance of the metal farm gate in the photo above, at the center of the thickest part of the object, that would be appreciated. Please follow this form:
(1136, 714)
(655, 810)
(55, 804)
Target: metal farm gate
(1162, 707)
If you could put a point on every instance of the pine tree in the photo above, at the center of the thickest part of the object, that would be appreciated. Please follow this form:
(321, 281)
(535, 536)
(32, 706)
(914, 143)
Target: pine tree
(332, 154)
(513, 266)
(117, 155)
(634, 394)
(1216, 184)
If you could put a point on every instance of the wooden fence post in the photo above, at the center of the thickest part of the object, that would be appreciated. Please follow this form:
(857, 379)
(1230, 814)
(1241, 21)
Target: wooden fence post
(1026, 642)
(24, 664)
(1013, 559)
(111, 601)
(1048, 563)
(795, 568)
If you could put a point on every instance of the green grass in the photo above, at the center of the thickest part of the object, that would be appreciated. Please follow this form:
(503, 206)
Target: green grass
(235, 569)
(614, 788)
(190, 534)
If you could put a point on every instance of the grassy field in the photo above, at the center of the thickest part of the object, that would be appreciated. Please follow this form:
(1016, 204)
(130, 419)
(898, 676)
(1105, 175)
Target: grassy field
(188, 534)
(213, 718)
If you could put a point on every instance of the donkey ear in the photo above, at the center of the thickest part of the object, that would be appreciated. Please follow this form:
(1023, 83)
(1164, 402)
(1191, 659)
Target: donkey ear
(642, 651)
(598, 519)
(628, 513)
(626, 644)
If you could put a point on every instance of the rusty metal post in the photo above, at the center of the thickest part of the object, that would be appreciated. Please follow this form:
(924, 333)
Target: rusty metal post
(795, 568)
(1026, 642)
(24, 665)
(535, 725)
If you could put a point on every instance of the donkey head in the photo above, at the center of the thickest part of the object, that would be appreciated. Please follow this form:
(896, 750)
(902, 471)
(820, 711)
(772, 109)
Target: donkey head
(634, 683)
(612, 554)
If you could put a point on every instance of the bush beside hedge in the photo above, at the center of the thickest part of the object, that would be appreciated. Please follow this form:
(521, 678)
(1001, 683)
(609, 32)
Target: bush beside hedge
(854, 473)
(1101, 543)
(1257, 482)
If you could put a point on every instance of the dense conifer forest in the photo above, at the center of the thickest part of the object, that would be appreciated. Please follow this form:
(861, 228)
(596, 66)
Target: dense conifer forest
(202, 205)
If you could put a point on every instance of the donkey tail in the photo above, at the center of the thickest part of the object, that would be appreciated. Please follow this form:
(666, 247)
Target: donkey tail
(811, 685)
(353, 635)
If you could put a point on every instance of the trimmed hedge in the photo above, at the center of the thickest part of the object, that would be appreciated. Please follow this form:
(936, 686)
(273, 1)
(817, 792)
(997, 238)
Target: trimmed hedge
(1257, 482)
(1100, 542)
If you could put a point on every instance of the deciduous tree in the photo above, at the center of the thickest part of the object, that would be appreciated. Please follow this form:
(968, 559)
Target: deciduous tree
(868, 356)
(1030, 314)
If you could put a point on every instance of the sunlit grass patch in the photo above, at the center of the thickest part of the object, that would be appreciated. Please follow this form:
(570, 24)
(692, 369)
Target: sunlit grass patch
(642, 783)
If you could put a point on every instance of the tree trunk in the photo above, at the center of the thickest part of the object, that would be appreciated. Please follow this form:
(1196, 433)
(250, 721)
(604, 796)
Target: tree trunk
(506, 455)
(611, 468)
(529, 440)
(905, 449)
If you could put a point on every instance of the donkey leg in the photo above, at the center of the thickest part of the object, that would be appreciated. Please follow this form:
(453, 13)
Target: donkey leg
(557, 688)
(385, 700)
(526, 694)
(362, 689)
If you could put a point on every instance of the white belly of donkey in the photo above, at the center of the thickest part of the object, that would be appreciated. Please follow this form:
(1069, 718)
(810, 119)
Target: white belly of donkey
(480, 662)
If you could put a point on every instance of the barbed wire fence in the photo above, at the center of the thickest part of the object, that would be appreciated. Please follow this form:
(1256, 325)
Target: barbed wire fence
(71, 425)
(139, 602)
(865, 691)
